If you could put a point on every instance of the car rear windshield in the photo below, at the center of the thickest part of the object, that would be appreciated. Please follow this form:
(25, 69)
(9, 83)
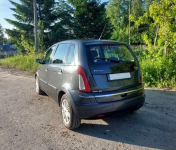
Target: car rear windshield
(109, 53)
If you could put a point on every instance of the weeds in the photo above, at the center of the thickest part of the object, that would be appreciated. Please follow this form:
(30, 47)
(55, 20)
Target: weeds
(22, 62)
(157, 72)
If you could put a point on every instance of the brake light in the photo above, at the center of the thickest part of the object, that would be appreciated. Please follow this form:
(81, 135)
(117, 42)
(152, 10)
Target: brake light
(141, 76)
(83, 82)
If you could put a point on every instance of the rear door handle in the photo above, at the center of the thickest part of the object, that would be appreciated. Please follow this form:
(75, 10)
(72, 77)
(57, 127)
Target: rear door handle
(60, 71)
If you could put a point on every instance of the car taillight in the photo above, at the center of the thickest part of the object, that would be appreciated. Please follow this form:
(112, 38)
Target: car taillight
(141, 76)
(83, 82)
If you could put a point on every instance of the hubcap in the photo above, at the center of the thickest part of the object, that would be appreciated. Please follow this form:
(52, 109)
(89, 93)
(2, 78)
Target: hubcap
(65, 112)
(37, 85)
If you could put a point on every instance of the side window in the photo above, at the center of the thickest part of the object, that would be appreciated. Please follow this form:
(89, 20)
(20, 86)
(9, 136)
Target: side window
(60, 53)
(52, 54)
(46, 58)
(70, 56)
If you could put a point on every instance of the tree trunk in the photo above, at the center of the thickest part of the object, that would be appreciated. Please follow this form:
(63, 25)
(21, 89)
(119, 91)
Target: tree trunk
(165, 42)
(165, 49)
(157, 29)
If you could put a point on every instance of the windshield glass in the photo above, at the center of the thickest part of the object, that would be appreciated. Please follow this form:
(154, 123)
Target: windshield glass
(109, 53)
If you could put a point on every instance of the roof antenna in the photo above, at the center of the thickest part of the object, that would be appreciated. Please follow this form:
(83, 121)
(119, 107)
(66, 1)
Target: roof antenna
(102, 32)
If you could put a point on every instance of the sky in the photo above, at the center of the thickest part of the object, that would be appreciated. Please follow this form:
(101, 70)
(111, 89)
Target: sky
(6, 12)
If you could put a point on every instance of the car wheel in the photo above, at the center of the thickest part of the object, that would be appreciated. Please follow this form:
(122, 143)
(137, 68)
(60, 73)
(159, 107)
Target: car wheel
(70, 120)
(37, 87)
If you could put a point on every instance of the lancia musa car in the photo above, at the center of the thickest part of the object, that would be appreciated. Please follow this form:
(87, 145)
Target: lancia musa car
(90, 78)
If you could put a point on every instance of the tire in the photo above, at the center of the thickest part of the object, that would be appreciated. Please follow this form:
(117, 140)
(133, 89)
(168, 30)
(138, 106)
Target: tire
(70, 120)
(37, 87)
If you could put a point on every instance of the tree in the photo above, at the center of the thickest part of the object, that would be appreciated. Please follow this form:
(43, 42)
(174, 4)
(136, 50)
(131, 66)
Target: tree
(57, 20)
(90, 19)
(64, 24)
(1, 35)
(24, 26)
(161, 17)
(118, 12)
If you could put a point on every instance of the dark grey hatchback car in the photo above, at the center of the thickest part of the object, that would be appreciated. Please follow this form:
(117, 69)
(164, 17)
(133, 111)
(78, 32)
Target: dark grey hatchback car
(90, 79)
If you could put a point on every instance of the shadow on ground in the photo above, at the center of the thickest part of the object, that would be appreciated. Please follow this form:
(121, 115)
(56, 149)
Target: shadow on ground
(152, 126)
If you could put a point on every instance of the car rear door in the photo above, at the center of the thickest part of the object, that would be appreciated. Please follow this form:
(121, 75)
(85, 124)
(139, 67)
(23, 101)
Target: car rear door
(55, 69)
(43, 70)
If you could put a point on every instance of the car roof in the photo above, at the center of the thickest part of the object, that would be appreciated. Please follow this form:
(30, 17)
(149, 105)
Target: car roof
(92, 41)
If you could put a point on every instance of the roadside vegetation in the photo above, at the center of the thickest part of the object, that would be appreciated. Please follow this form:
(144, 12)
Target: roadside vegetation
(22, 62)
(152, 23)
(158, 72)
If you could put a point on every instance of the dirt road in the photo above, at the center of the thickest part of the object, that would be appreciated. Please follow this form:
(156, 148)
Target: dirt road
(32, 122)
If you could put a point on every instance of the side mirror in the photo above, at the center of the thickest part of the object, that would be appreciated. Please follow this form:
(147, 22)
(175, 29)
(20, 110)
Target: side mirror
(38, 60)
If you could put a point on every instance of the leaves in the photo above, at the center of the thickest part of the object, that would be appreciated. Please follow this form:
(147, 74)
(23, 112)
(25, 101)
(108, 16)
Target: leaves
(161, 13)
(90, 20)
(118, 12)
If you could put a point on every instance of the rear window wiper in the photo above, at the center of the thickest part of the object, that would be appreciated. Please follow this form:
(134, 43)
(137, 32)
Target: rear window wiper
(107, 59)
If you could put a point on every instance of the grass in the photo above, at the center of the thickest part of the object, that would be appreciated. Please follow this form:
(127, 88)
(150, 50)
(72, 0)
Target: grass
(2, 56)
(21, 62)
(160, 72)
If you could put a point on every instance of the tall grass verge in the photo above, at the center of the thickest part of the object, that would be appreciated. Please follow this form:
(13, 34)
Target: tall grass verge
(21, 62)
(158, 72)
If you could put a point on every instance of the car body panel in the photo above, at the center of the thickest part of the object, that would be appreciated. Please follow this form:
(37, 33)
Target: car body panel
(86, 105)
(106, 97)
(55, 74)
(43, 77)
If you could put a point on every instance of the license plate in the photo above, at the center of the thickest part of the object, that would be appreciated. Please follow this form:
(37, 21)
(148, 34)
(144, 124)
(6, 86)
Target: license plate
(119, 76)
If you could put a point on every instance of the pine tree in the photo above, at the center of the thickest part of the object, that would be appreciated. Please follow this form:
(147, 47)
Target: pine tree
(1, 35)
(57, 20)
(23, 34)
(90, 19)
(64, 24)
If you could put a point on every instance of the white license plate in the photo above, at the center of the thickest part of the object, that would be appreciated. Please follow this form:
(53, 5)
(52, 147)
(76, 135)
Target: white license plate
(119, 76)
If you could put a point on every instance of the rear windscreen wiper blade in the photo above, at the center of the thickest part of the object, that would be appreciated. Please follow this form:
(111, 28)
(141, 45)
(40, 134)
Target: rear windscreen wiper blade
(107, 59)
(112, 60)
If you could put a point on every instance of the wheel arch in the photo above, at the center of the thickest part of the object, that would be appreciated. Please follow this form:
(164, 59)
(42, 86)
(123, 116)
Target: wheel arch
(60, 94)
(64, 90)
(36, 74)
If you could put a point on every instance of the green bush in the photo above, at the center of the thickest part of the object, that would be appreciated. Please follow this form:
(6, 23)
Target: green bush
(158, 71)
(22, 62)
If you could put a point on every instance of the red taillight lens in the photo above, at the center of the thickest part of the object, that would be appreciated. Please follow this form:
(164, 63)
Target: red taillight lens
(83, 82)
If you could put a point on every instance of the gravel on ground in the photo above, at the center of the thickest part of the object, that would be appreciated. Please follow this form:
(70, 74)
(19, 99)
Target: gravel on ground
(32, 122)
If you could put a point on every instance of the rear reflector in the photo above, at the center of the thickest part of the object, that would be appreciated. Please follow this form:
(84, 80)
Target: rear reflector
(100, 116)
(83, 82)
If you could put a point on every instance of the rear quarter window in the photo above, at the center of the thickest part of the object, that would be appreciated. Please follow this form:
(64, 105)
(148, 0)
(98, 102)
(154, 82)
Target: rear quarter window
(60, 53)
(70, 57)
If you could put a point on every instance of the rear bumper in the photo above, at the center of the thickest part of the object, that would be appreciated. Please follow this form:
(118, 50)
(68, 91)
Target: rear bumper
(85, 104)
